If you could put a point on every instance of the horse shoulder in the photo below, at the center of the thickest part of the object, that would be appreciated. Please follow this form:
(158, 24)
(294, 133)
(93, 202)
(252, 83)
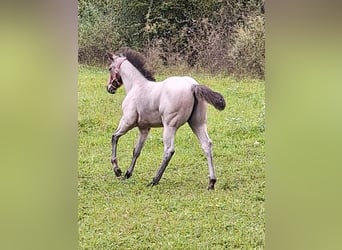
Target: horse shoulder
(147, 97)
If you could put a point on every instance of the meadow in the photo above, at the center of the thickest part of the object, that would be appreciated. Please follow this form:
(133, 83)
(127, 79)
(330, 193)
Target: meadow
(179, 213)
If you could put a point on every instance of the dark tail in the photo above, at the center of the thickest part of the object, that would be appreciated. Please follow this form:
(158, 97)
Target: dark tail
(212, 97)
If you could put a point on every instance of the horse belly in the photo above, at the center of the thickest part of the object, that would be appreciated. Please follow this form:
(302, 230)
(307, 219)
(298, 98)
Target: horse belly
(150, 119)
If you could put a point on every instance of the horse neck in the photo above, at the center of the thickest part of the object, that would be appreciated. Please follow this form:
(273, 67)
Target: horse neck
(130, 76)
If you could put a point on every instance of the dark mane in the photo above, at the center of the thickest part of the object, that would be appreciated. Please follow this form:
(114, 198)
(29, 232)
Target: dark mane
(138, 61)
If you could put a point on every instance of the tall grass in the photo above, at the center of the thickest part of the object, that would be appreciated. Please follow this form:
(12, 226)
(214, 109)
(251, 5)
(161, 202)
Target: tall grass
(179, 213)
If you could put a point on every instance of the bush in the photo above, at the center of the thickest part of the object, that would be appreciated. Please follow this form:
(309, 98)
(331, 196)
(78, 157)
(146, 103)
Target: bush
(208, 47)
(210, 35)
(247, 52)
(98, 32)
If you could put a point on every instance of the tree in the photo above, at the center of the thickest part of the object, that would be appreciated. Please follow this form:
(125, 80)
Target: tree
(210, 34)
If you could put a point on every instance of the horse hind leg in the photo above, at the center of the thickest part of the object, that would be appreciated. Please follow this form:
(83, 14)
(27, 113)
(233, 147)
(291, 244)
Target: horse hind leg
(200, 130)
(168, 140)
(136, 151)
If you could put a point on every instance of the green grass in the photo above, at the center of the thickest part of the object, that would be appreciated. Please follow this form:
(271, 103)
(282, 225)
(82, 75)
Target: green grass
(179, 213)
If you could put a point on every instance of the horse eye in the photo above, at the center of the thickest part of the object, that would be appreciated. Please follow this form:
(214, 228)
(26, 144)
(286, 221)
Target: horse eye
(110, 68)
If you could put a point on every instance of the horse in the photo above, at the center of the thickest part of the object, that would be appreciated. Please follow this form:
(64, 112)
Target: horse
(168, 104)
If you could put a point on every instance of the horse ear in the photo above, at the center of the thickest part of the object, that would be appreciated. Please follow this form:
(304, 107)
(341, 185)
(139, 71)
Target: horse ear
(110, 55)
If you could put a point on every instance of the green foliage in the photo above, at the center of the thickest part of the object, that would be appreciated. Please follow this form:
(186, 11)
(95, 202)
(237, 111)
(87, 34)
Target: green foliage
(179, 213)
(247, 53)
(210, 35)
(98, 30)
(132, 16)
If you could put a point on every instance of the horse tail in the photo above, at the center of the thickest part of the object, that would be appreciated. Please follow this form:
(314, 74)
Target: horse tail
(210, 96)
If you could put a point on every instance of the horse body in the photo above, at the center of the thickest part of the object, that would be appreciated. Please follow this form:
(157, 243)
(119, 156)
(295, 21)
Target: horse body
(168, 104)
(153, 103)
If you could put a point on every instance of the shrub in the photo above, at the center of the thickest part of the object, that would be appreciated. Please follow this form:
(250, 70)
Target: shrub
(247, 51)
(214, 36)
(98, 32)
(208, 47)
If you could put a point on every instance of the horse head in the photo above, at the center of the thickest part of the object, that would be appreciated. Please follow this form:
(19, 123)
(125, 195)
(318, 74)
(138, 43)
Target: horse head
(114, 81)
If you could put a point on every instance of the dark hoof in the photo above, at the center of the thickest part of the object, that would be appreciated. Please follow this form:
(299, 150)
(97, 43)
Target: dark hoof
(211, 184)
(151, 184)
(117, 172)
(127, 175)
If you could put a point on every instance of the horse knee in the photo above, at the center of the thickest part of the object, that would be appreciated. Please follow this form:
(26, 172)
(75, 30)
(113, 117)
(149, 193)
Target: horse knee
(114, 138)
(170, 152)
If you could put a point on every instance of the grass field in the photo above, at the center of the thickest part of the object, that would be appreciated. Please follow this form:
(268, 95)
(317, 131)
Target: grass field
(179, 213)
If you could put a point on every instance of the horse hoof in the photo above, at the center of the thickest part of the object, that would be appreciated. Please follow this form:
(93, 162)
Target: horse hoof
(117, 172)
(212, 184)
(127, 175)
(151, 184)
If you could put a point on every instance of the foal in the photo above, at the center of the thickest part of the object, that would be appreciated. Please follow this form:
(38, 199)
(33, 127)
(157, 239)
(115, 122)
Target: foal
(168, 104)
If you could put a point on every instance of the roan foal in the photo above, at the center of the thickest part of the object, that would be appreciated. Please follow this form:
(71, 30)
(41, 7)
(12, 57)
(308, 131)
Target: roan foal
(168, 104)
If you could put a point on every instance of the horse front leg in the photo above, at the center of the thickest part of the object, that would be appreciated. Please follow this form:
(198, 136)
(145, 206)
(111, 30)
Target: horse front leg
(121, 130)
(114, 160)
(137, 149)
(168, 140)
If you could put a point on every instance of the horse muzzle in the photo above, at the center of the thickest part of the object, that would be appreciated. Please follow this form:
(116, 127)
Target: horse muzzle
(111, 88)
(114, 83)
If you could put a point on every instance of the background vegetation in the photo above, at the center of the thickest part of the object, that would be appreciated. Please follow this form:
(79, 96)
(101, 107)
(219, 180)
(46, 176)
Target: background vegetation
(211, 35)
